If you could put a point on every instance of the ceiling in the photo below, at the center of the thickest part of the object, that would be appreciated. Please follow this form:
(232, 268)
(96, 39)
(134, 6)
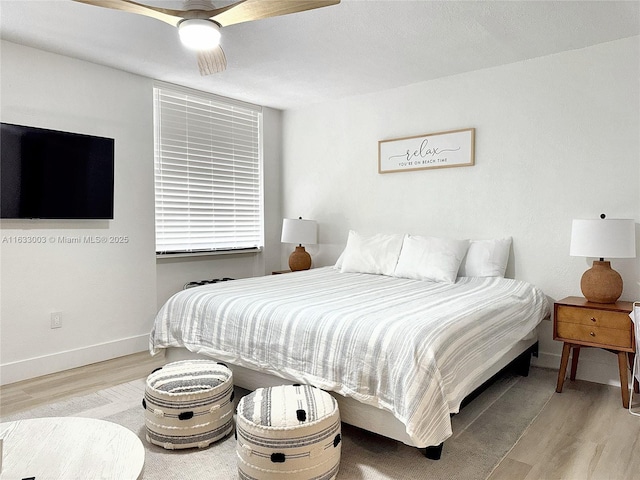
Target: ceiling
(356, 47)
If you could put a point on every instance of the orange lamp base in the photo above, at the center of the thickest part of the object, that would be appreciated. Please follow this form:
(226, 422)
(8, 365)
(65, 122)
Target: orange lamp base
(299, 259)
(601, 283)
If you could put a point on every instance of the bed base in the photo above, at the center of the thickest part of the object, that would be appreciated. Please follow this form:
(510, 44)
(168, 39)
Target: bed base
(369, 417)
(520, 366)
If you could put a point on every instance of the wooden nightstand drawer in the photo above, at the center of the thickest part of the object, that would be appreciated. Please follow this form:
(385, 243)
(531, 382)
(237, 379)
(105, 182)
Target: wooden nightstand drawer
(612, 337)
(593, 317)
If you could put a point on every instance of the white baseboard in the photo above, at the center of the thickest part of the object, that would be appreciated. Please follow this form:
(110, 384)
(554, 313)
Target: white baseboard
(589, 369)
(59, 361)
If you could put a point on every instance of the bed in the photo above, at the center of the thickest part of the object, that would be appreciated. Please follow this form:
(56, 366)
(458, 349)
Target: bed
(399, 354)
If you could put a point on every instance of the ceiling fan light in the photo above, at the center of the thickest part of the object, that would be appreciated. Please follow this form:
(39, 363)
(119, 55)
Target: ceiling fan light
(198, 34)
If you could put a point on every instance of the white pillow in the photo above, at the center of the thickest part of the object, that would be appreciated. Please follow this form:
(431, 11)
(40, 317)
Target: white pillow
(377, 254)
(430, 258)
(486, 258)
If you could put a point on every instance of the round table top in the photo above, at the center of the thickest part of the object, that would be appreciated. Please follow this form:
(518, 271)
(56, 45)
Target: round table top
(69, 447)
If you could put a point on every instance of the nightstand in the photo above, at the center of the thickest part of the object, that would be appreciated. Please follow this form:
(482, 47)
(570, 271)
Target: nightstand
(579, 323)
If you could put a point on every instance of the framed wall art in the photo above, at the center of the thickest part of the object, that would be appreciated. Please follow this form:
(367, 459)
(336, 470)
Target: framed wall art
(455, 148)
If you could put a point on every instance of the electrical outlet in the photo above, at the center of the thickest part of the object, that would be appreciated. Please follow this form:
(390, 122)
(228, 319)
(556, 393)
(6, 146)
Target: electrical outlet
(56, 320)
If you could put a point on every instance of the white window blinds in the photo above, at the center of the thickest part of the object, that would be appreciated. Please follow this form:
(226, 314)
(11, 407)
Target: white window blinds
(208, 169)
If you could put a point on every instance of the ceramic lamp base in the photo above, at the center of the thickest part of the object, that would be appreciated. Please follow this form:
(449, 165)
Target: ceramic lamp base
(299, 259)
(601, 284)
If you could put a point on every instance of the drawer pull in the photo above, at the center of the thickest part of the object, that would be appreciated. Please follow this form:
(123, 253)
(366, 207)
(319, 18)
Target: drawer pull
(593, 319)
(592, 334)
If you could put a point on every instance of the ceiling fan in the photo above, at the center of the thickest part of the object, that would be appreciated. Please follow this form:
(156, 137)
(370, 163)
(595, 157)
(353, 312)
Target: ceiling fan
(200, 23)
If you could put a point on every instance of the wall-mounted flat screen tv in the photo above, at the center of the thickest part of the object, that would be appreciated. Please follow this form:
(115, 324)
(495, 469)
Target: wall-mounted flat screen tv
(50, 174)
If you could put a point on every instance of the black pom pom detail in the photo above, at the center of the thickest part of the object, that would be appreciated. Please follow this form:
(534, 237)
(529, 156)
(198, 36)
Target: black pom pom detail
(302, 415)
(185, 416)
(277, 457)
(295, 385)
(144, 404)
(337, 440)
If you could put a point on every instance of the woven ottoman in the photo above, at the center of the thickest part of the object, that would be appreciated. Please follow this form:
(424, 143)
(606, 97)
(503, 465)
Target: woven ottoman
(288, 432)
(188, 404)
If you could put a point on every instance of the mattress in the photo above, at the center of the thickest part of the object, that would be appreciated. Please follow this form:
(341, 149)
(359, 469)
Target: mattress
(410, 347)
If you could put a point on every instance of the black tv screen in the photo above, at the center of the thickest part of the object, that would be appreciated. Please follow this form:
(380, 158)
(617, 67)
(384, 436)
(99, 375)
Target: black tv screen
(55, 175)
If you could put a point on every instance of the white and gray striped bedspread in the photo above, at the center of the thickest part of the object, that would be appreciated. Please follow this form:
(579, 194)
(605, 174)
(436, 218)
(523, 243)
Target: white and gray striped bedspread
(410, 347)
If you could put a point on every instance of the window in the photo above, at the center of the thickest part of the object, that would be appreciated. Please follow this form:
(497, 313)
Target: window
(208, 172)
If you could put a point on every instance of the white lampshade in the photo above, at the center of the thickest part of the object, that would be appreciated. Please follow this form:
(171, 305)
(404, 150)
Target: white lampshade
(603, 238)
(198, 34)
(299, 231)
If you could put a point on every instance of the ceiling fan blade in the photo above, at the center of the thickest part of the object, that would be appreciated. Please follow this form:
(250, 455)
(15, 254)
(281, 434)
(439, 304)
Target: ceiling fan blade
(172, 17)
(258, 9)
(212, 61)
(167, 15)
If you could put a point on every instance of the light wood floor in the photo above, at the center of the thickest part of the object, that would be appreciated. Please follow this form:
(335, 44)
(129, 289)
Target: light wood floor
(21, 396)
(583, 433)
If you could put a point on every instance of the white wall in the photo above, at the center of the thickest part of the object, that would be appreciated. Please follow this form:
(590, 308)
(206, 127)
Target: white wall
(556, 139)
(108, 294)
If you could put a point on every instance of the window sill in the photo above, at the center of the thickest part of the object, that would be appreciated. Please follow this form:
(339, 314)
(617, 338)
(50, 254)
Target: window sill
(244, 251)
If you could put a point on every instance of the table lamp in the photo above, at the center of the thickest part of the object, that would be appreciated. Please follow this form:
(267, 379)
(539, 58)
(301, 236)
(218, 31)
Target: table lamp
(604, 238)
(297, 230)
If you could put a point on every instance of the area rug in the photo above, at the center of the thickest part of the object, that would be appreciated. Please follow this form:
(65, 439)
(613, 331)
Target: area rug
(484, 432)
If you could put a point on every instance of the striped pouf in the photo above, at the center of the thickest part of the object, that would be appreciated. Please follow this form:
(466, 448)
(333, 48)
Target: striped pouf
(188, 404)
(288, 432)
